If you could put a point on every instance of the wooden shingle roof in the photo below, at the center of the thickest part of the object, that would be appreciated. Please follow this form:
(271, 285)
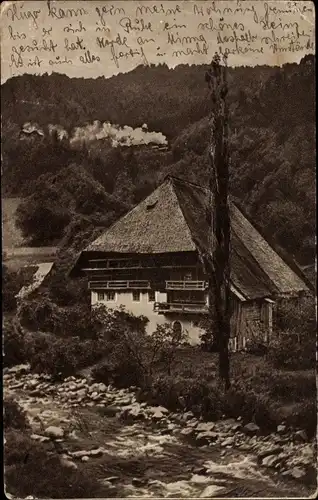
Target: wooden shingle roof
(174, 219)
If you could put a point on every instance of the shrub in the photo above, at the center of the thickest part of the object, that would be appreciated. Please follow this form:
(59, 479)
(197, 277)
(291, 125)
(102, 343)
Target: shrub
(14, 415)
(133, 355)
(287, 353)
(12, 282)
(39, 315)
(292, 386)
(63, 357)
(13, 344)
(30, 469)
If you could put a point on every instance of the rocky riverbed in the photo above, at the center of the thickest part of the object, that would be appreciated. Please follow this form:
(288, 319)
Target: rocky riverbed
(147, 451)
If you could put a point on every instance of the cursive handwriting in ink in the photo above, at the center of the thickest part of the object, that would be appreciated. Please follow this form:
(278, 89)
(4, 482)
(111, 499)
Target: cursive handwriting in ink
(137, 25)
(72, 29)
(126, 55)
(111, 11)
(77, 45)
(15, 35)
(59, 13)
(43, 46)
(16, 13)
(58, 61)
(89, 58)
(103, 42)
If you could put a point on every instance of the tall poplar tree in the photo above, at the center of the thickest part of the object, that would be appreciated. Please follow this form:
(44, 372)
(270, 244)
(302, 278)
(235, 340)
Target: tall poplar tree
(217, 260)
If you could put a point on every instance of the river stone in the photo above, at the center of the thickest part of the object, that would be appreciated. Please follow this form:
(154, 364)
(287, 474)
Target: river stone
(85, 458)
(270, 461)
(138, 482)
(112, 479)
(199, 479)
(228, 442)
(205, 427)
(297, 473)
(97, 452)
(251, 429)
(81, 392)
(66, 462)
(54, 432)
(275, 450)
(281, 429)
(102, 387)
(211, 491)
(187, 432)
(300, 436)
(206, 437)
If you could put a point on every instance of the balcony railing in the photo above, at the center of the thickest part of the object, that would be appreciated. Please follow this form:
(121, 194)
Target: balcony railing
(186, 285)
(119, 285)
(186, 307)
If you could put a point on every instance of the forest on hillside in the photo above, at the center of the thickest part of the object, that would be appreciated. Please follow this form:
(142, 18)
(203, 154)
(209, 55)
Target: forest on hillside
(79, 187)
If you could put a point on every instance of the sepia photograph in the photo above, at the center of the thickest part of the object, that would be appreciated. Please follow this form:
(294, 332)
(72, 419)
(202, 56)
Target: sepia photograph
(158, 203)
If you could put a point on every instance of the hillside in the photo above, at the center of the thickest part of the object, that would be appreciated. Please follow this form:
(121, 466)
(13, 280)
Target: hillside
(11, 235)
(272, 138)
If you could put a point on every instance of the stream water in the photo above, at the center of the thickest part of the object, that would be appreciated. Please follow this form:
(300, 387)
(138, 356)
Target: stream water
(149, 454)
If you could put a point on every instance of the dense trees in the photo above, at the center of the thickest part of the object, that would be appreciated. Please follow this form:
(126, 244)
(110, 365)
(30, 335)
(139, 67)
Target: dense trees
(63, 203)
(272, 141)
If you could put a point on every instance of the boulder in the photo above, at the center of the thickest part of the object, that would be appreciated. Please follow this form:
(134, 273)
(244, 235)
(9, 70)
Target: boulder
(54, 432)
(297, 473)
(251, 429)
(300, 436)
(66, 462)
(81, 393)
(138, 482)
(206, 437)
(112, 479)
(228, 442)
(102, 387)
(97, 452)
(85, 458)
(205, 426)
(281, 429)
(274, 450)
(187, 432)
(271, 461)
(211, 491)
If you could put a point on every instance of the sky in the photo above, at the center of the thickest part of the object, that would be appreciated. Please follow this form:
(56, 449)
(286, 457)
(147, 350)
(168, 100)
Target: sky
(104, 38)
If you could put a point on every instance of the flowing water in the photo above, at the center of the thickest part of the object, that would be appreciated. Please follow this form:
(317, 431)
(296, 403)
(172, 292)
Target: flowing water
(147, 458)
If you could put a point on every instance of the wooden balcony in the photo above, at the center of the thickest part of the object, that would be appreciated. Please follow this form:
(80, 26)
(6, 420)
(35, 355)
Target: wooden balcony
(186, 307)
(186, 285)
(119, 285)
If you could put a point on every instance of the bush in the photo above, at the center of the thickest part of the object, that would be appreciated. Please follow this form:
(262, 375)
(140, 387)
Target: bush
(295, 345)
(63, 357)
(13, 344)
(12, 282)
(14, 416)
(290, 354)
(30, 469)
(38, 315)
(133, 355)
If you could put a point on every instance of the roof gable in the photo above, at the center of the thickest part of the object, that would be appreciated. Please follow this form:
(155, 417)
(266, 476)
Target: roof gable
(156, 225)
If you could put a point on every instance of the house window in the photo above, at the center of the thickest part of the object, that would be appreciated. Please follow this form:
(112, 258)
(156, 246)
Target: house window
(111, 296)
(100, 296)
(151, 296)
(136, 296)
(188, 276)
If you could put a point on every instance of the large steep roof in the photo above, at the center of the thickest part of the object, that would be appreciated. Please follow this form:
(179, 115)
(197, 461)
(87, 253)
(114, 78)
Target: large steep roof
(174, 219)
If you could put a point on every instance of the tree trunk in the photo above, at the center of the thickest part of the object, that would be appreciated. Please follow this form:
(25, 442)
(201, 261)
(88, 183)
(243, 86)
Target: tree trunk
(217, 258)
